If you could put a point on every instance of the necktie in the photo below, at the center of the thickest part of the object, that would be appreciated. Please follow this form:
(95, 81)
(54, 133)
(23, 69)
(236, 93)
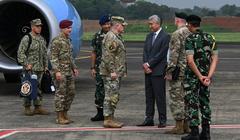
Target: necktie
(153, 38)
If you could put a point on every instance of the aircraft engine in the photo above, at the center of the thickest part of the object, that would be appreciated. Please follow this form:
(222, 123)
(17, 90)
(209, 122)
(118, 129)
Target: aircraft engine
(15, 16)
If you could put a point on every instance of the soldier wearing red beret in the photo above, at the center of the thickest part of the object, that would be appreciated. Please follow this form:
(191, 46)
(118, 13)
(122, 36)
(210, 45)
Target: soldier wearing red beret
(64, 69)
(65, 24)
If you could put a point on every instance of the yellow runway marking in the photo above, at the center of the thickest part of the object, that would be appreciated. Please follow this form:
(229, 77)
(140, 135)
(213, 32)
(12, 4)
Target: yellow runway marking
(83, 57)
(85, 51)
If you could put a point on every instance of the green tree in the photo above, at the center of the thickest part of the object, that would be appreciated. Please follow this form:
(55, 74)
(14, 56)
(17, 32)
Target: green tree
(229, 10)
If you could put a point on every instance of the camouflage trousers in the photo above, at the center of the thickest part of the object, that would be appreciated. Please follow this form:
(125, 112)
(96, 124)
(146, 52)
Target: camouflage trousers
(65, 92)
(197, 98)
(99, 93)
(111, 99)
(176, 94)
(38, 101)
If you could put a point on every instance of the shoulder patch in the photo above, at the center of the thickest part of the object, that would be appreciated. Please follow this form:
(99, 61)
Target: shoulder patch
(113, 45)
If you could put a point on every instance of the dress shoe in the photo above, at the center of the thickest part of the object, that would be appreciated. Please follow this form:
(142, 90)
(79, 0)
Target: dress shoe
(147, 123)
(162, 125)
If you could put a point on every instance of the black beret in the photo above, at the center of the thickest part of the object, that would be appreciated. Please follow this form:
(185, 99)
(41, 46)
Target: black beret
(103, 19)
(193, 19)
(181, 15)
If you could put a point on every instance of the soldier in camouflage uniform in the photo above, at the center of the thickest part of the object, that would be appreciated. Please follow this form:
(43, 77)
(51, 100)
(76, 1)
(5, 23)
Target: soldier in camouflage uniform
(113, 68)
(202, 57)
(104, 22)
(63, 68)
(178, 59)
(35, 60)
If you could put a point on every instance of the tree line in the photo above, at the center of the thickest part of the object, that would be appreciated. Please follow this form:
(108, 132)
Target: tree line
(93, 9)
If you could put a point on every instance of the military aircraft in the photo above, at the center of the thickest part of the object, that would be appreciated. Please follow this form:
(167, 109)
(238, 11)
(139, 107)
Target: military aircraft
(15, 16)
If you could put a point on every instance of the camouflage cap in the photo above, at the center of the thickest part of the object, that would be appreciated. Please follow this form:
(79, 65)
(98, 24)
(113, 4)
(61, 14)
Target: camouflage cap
(36, 22)
(119, 20)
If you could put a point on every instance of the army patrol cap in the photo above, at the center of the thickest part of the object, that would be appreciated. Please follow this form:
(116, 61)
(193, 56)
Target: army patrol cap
(193, 19)
(181, 15)
(36, 22)
(119, 19)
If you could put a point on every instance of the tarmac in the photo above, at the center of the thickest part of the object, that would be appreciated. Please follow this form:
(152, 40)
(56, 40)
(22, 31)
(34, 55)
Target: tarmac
(225, 102)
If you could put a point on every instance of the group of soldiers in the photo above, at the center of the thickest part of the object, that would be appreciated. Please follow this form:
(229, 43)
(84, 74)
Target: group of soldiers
(108, 67)
(193, 57)
(34, 59)
(196, 54)
(192, 61)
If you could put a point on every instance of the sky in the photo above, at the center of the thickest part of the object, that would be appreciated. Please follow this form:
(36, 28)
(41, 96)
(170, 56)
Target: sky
(212, 4)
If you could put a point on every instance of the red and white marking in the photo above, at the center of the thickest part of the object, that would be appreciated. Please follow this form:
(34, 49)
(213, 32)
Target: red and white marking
(8, 132)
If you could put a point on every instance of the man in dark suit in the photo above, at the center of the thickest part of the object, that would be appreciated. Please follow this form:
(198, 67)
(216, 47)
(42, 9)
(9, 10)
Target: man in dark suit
(154, 64)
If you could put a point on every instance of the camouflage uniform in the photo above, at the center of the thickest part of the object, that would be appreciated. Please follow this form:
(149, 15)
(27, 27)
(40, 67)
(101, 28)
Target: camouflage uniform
(177, 58)
(62, 61)
(97, 47)
(37, 57)
(113, 60)
(202, 46)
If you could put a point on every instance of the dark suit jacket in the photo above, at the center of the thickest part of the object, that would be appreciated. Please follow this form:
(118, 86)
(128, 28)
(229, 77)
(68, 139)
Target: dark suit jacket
(156, 55)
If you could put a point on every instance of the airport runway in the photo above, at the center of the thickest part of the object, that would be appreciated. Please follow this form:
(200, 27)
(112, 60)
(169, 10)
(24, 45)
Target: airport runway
(225, 101)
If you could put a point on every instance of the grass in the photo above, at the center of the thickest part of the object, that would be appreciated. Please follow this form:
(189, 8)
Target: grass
(227, 37)
(138, 32)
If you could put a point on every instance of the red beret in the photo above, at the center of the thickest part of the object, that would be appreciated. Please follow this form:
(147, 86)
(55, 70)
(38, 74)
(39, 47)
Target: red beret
(65, 24)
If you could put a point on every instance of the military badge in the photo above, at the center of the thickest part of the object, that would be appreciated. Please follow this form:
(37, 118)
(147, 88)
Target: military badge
(26, 88)
(113, 45)
(29, 85)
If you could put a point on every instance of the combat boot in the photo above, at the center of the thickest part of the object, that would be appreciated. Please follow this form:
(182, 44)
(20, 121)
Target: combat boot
(205, 134)
(194, 134)
(28, 111)
(110, 123)
(66, 117)
(178, 129)
(40, 111)
(186, 127)
(99, 116)
(119, 123)
(60, 118)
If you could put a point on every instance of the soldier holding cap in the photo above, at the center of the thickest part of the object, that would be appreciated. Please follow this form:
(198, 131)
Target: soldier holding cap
(113, 68)
(63, 68)
(202, 57)
(34, 58)
(105, 24)
(177, 59)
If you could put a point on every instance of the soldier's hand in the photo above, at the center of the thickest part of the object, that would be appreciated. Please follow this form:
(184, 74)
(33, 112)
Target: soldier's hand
(93, 73)
(202, 78)
(46, 69)
(206, 82)
(29, 67)
(75, 72)
(168, 77)
(58, 76)
(114, 75)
